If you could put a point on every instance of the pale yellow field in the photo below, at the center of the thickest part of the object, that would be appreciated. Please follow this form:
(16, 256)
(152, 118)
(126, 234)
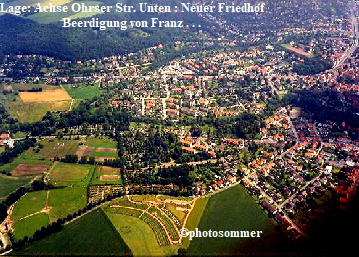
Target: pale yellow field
(45, 96)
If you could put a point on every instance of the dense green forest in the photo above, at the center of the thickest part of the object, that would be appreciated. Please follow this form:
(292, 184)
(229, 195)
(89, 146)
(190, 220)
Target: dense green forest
(87, 43)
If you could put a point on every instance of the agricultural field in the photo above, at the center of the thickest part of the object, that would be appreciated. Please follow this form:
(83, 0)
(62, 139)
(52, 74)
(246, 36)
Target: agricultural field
(45, 96)
(104, 175)
(10, 184)
(239, 212)
(70, 174)
(82, 91)
(65, 201)
(24, 159)
(29, 169)
(84, 151)
(94, 234)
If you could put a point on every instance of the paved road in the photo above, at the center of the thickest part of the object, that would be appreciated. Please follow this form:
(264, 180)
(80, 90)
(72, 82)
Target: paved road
(355, 31)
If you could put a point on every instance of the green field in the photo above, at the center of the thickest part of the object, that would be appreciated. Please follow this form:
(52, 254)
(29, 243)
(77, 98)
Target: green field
(231, 210)
(29, 204)
(58, 16)
(82, 91)
(139, 237)
(71, 174)
(103, 142)
(194, 218)
(10, 184)
(93, 234)
(66, 201)
(28, 226)
(104, 154)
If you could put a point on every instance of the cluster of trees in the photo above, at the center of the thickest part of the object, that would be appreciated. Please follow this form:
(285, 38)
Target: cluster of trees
(248, 125)
(327, 105)
(311, 66)
(34, 89)
(184, 176)
(86, 43)
(73, 158)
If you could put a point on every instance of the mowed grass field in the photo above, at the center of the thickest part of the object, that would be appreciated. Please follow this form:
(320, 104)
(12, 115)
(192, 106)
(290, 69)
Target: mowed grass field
(102, 142)
(70, 174)
(82, 91)
(10, 184)
(139, 236)
(28, 204)
(93, 234)
(234, 209)
(65, 201)
(27, 227)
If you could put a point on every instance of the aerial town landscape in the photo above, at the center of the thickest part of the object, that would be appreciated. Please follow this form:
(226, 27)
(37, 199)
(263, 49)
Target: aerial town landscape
(113, 142)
